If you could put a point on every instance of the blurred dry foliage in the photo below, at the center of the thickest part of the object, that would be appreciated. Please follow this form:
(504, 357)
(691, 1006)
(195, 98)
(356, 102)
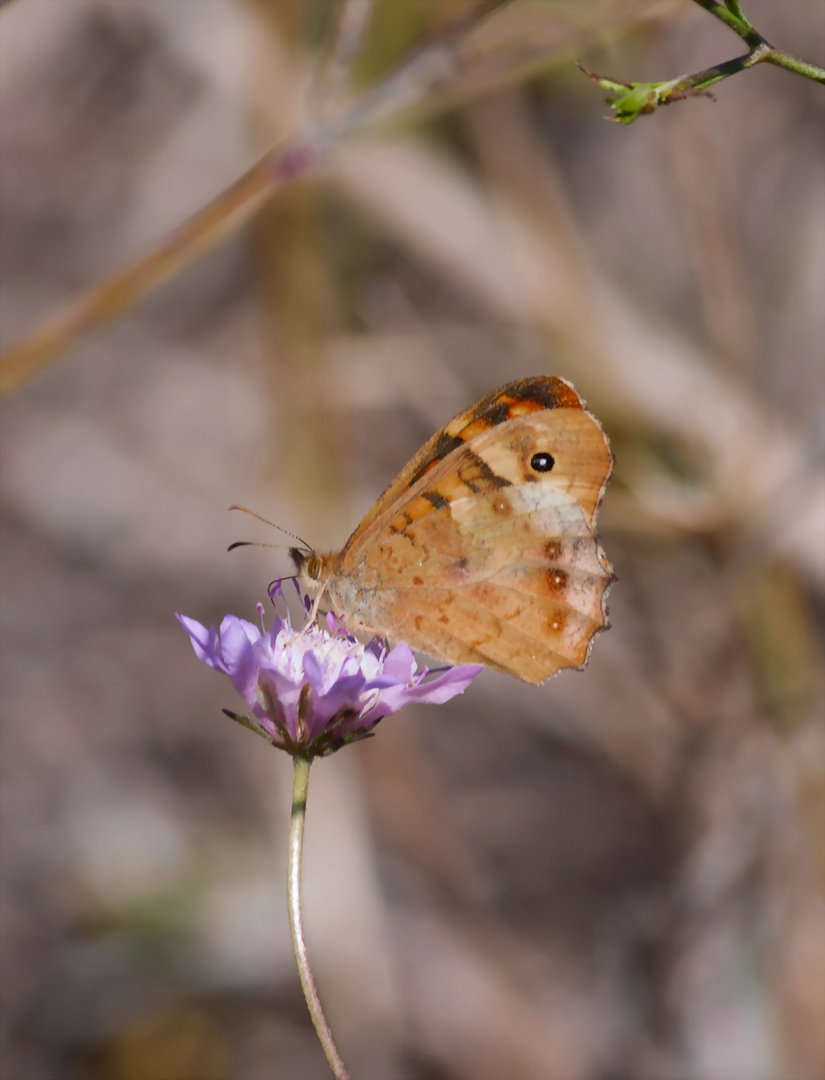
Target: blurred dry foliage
(618, 876)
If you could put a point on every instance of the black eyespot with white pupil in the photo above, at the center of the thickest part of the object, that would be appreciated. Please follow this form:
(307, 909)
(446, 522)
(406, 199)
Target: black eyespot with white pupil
(542, 462)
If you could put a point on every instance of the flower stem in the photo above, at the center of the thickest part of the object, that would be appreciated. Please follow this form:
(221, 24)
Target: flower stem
(300, 785)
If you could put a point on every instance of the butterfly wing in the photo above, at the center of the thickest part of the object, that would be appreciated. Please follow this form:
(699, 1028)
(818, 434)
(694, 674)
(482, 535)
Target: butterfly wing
(475, 555)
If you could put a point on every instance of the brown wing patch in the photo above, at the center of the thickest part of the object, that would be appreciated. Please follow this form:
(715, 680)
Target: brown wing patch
(467, 476)
(582, 460)
(490, 626)
(475, 536)
(430, 455)
(515, 399)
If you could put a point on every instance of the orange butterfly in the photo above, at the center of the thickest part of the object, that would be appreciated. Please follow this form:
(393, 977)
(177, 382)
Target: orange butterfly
(483, 549)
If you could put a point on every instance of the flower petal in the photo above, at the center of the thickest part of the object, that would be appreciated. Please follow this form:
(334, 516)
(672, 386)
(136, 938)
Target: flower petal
(428, 692)
(345, 695)
(206, 643)
(400, 663)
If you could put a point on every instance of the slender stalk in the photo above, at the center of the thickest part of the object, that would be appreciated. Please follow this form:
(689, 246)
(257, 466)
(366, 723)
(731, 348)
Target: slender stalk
(218, 219)
(300, 785)
(762, 54)
(793, 63)
(731, 15)
(333, 77)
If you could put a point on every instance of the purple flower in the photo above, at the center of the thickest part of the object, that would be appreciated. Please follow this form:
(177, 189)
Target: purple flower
(311, 691)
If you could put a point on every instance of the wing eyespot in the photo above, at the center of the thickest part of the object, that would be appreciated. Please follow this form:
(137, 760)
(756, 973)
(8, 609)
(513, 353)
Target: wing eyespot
(557, 580)
(542, 462)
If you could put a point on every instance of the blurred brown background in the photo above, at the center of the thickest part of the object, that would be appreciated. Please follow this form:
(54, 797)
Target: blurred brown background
(617, 876)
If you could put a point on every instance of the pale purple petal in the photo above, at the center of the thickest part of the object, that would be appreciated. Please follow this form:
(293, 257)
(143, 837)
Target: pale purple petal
(452, 682)
(314, 671)
(430, 692)
(400, 663)
(238, 639)
(205, 642)
(344, 696)
(232, 622)
(285, 692)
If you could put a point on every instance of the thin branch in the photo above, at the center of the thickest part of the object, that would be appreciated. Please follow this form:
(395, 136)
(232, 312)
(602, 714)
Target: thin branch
(762, 51)
(201, 232)
(333, 80)
(793, 63)
(731, 15)
(631, 100)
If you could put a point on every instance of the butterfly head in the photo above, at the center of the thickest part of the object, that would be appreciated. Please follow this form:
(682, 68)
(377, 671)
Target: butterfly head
(312, 570)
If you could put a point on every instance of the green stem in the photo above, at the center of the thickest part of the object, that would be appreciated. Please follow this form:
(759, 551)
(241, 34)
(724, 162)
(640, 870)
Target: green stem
(732, 16)
(701, 80)
(735, 20)
(762, 54)
(792, 63)
(300, 785)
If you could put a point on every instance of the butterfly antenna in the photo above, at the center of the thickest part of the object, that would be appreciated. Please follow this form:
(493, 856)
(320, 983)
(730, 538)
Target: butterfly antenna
(256, 543)
(266, 521)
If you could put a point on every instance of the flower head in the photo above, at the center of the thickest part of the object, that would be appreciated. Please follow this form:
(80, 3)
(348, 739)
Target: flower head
(313, 690)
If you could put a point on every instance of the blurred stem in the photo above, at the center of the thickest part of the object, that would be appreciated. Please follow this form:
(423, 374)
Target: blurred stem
(300, 786)
(298, 290)
(218, 219)
(335, 75)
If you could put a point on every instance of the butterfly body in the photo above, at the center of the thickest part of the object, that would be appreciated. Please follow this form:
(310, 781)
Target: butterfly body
(483, 550)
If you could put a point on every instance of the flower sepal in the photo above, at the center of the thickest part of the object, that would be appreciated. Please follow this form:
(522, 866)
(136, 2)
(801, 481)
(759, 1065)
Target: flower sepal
(247, 722)
(327, 742)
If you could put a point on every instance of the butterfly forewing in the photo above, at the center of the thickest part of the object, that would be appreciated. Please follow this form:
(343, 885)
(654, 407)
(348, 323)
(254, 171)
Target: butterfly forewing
(517, 398)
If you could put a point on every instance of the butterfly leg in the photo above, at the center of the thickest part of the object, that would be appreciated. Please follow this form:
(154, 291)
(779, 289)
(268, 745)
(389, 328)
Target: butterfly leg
(313, 612)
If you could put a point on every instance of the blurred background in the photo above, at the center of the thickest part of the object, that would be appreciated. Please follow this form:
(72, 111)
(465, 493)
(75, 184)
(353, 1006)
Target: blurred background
(616, 876)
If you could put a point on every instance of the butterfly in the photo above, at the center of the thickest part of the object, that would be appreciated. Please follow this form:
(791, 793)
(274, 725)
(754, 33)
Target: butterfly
(483, 549)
